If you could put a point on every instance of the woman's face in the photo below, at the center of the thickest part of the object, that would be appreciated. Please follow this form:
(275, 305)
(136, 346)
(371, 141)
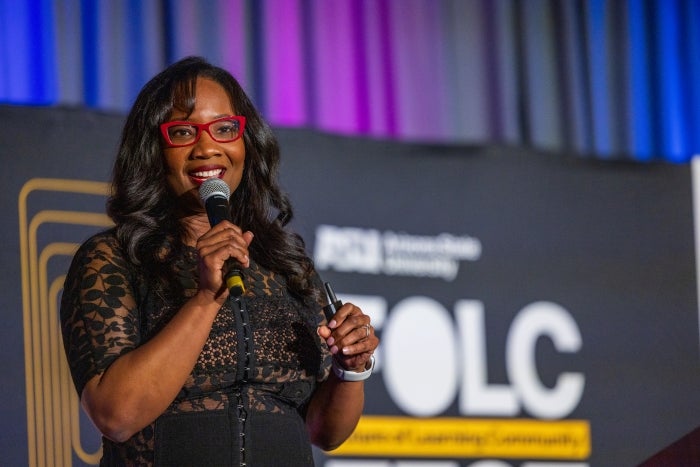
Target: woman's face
(189, 166)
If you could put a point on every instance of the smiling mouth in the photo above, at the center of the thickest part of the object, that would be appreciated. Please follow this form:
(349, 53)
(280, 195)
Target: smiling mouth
(205, 174)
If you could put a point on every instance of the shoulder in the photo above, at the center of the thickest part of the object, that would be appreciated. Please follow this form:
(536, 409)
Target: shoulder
(105, 238)
(102, 247)
(98, 272)
(105, 242)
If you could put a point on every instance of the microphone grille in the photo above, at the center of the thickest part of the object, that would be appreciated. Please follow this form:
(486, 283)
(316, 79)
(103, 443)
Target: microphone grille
(212, 187)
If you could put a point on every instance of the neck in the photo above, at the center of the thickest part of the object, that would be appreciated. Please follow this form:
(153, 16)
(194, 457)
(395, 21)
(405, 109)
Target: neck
(195, 226)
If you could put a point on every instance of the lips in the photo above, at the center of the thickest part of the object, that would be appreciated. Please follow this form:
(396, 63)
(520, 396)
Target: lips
(202, 174)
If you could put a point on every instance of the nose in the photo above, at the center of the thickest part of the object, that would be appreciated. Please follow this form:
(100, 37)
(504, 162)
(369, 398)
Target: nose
(205, 146)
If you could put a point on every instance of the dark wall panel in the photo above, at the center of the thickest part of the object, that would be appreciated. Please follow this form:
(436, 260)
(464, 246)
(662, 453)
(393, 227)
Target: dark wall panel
(531, 306)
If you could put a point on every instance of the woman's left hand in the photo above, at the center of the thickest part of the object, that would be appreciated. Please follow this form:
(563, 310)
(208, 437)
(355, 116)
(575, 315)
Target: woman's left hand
(350, 337)
(337, 405)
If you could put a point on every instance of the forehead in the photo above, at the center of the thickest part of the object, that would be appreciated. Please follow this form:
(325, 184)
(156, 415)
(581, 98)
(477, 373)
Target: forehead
(209, 98)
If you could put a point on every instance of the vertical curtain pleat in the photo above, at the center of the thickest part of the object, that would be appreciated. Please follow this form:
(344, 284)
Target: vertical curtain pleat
(691, 52)
(599, 72)
(640, 109)
(381, 77)
(284, 75)
(671, 115)
(27, 52)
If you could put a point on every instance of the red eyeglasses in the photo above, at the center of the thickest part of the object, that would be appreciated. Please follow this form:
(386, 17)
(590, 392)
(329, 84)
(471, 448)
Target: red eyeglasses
(223, 130)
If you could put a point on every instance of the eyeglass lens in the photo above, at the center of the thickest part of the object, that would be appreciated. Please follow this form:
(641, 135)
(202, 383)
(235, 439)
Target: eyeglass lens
(223, 131)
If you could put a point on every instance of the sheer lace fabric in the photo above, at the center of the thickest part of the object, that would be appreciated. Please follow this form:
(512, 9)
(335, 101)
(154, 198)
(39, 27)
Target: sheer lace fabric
(262, 356)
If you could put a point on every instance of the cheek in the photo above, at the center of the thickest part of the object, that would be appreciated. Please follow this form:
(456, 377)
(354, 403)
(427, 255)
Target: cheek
(239, 152)
(238, 158)
(173, 160)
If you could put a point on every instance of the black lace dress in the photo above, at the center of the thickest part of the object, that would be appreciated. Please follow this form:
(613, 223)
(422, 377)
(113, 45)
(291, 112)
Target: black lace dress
(245, 400)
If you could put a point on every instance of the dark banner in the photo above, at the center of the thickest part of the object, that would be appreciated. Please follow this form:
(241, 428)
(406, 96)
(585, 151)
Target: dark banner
(534, 309)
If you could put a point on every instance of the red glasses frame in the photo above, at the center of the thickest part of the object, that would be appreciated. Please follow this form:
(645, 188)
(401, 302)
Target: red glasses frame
(201, 127)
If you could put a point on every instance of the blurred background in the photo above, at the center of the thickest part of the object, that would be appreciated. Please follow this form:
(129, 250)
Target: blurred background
(611, 79)
(523, 172)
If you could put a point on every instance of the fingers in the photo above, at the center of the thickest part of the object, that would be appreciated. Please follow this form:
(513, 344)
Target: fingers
(224, 241)
(347, 319)
(350, 336)
(221, 243)
(359, 340)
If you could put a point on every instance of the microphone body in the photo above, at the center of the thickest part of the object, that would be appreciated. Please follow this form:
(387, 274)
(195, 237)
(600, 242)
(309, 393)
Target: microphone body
(215, 194)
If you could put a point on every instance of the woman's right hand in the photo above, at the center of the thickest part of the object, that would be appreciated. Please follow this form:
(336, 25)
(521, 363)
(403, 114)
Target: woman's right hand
(222, 242)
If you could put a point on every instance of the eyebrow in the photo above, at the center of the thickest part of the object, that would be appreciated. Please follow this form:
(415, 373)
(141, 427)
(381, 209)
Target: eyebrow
(186, 118)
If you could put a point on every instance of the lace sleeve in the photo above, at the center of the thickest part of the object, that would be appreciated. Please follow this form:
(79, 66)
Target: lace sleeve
(99, 319)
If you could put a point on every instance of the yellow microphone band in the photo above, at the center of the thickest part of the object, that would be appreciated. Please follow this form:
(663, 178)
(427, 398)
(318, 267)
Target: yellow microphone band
(235, 285)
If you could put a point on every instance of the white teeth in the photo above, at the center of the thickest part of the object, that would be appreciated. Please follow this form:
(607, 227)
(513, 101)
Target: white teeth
(207, 173)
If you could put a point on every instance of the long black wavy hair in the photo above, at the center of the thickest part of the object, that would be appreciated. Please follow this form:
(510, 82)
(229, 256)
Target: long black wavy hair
(144, 208)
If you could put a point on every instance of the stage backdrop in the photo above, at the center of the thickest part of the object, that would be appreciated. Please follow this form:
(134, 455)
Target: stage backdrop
(533, 309)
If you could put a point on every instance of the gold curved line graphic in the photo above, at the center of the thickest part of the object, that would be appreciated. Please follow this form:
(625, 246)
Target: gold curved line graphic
(36, 454)
(38, 323)
(50, 348)
(62, 387)
(67, 404)
(56, 418)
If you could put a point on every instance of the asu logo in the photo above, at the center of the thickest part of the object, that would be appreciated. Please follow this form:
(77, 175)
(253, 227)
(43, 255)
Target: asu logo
(53, 221)
(369, 251)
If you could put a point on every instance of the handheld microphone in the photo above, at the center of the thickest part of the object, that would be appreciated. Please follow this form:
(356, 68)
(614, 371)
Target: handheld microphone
(215, 193)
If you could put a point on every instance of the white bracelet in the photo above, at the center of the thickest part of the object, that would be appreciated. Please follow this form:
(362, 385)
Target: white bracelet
(347, 375)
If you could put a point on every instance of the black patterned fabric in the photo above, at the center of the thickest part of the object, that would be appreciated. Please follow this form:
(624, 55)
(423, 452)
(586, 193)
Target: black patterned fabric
(246, 396)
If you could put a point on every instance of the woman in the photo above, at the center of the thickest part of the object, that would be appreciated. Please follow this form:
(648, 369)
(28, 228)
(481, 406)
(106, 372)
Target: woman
(171, 367)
